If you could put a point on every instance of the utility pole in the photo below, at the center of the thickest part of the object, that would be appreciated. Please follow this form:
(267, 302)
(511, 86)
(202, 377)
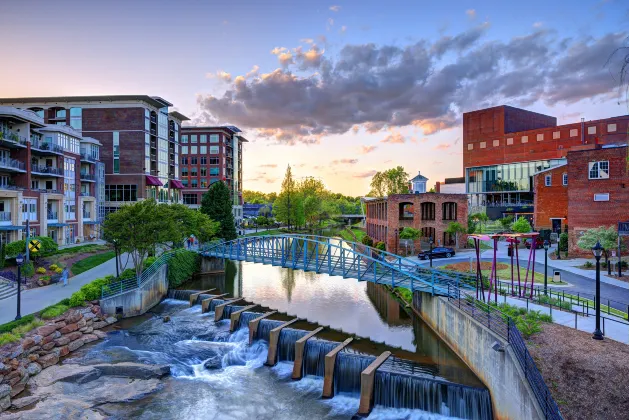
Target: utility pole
(28, 237)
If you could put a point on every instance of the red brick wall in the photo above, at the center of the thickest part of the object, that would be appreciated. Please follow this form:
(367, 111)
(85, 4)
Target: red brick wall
(550, 202)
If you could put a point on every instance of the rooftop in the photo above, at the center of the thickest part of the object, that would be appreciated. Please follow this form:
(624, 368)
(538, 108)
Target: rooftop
(155, 101)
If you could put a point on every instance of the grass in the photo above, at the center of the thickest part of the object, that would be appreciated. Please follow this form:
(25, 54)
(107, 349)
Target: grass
(14, 331)
(54, 311)
(503, 271)
(265, 232)
(91, 262)
(405, 293)
(527, 322)
(359, 233)
(82, 248)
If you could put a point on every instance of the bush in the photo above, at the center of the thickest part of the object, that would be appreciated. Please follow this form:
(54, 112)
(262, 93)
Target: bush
(381, 246)
(149, 261)
(367, 240)
(182, 266)
(6, 338)
(28, 269)
(54, 311)
(528, 326)
(53, 267)
(59, 270)
(405, 293)
(563, 242)
(588, 264)
(45, 280)
(93, 290)
(48, 247)
(10, 325)
(77, 299)
(3, 256)
(521, 225)
(41, 270)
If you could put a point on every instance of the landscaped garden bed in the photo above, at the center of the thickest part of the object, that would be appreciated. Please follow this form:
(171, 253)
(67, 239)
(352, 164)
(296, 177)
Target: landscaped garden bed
(504, 271)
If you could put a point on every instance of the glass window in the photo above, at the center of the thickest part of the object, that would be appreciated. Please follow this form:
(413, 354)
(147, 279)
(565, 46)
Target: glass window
(194, 183)
(599, 170)
(193, 138)
(203, 160)
(203, 182)
(592, 130)
(193, 160)
(203, 150)
(184, 150)
(213, 161)
(213, 150)
(194, 171)
(193, 150)
(548, 180)
(214, 171)
(116, 151)
(213, 138)
(203, 171)
(203, 138)
(60, 113)
(184, 160)
(565, 179)
(184, 139)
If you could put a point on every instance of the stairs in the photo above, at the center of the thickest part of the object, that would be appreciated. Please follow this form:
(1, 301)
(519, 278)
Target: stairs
(7, 290)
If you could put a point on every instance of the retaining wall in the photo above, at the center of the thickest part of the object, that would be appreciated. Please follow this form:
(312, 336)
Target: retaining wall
(138, 301)
(511, 395)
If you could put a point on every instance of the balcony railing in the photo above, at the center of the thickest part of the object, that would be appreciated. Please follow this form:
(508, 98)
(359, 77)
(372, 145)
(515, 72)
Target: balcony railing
(52, 215)
(12, 164)
(48, 170)
(11, 137)
(85, 194)
(50, 191)
(5, 216)
(86, 214)
(153, 119)
(88, 157)
(47, 147)
(10, 187)
(87, 177)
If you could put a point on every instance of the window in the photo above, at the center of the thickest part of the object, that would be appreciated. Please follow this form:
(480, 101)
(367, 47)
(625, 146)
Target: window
(213, 138)
(76, 120)
(184, 139)
(203, 160)
(184, 150)
(574, 132)
(599, 170)
(214, 150)
(592, 130)
(203, 150)
(184, 182)
(565, 179)
(611, 127)
(509, 141)
(195, 183)
(556, 135)
(193, 150)
(213, 161)
(60, 113)
(193, 138)
(540, 137)
(190, 199)
(214, 171)
(184, 171)
(29, 209)
(601, 197)
(184, 160)
(470, 146)
(116, 145)
(194, 171)
(203, 138)
(548, 180)
(496, 143)
(193, 160)
(203, 171)
(203, 182)
(525, 139)
(121, 192)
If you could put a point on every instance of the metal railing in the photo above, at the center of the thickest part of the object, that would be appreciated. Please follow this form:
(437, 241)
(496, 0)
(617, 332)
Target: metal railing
(504, 326)
(52, 215)
(11, 137)
(87, 177)
(5, 216)
(46, 146)
(48, 170)
(86, 194)
(12, 164)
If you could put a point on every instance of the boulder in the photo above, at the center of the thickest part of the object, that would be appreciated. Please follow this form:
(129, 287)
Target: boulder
(62, 351)
(16, 352)
(111, 320)
(88, 330)
(133, 370)
(48, 360)
(27, 343)
(49, 346)
(37, 339)
(214, 362)
(13, 374)
(65, 373)
(166, 319)
(51, 337)
(4, 368)
(35, 357)
(73, 317)
(33, 349)
(62, 323)
(69, 328)
(100, 334)
(14, 380)
(33, 369)
(81, 323)
(76, 344)
(5, 403)
(62, 341)
(100, 324)
(89, 315)
(17, 389)
(46, 330)
(5, 390)
(88, 338)
(24, 402)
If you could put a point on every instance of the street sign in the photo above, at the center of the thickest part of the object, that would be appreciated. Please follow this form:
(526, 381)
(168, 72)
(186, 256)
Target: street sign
(34, 245)
(623, 228)
(613, 253)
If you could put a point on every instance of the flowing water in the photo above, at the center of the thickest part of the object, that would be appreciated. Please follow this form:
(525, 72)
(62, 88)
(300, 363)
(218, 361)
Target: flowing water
(218, 375)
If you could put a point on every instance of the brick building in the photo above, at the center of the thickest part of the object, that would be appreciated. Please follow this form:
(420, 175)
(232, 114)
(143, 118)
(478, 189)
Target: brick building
(51, 176)
(503, 147)
(430, 213)
(139, 138)
(590, 190)
(208, 155)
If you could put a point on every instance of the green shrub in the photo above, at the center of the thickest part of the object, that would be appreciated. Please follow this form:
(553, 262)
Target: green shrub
(65, 301)
(149, 261)
(48, 247)
(381, 246)
(563, 242)
(28, 269)
(77, 299)
(129, 273)
(93, 290)
(528, 326)
(53, 267)
(588, 264)
(6, 338)
(24, 328)
(367, 240)
(54, 311)
(405, 293)
(41, 270)
(182, 266)
(3, 256)
(59, 270)
(11, 325)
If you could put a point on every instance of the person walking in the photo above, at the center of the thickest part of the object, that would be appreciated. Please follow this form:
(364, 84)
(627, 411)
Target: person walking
(64, 276)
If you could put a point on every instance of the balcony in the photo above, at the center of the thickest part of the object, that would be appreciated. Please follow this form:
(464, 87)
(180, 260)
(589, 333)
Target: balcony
(87, 214)
(88, 177)
(51, 215)
(153, 132)
(153, 119)
(86, 157)
(7, 187)
(86, 194)
(46, 170)
(11, 140)
(12, 165)
(46, 148)
(49, 191)
(5, 216)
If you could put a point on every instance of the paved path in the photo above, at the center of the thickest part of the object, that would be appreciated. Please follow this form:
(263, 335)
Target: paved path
(34, 300)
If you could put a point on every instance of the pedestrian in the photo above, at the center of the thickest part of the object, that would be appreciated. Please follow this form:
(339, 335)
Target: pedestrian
(188, 243)
(64, 276)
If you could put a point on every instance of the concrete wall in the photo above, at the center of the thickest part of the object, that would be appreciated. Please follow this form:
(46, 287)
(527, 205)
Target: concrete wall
(212, 265)
(511, 396)
(138, 301)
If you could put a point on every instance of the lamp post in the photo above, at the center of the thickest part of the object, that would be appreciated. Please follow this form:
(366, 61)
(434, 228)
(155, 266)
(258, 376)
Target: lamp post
(397, 239)
(546, 246)
(597, 250)
(19, 260)
(431, 242)
(115, 241)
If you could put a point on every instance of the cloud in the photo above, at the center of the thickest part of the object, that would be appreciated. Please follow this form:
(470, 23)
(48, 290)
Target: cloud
(367, 149)
(253, 72)
(345, 162)
(367, 174)
(343, 29)
(538, 24)
(442, 146)
(330, 22)
(335, 8)
(385, 87)
(268, 165)
(471, 13)
(220, 74)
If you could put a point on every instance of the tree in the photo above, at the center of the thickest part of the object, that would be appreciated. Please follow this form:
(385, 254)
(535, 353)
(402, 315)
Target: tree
(217, 204)
(522, 225)
(284, 206)
(608, 237)
(506, 222)
(410, 233)
(366, 240)
(254, 197)
(186, 222)
(389, 182)
(455, 228)
(481, 219)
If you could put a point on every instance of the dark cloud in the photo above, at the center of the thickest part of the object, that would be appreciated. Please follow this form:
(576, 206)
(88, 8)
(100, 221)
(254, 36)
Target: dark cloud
(422, 84)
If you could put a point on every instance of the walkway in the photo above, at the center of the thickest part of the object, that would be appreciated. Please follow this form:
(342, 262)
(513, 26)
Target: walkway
(34, 300)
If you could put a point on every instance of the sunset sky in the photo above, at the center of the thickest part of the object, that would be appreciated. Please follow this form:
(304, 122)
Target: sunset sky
(337, 89)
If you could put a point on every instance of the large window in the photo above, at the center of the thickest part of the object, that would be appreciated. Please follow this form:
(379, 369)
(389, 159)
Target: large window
(29, 209)
(213, 138)
(599, 170)
(214, 150)
(510, 177)
(76, 118)
(203, 138)
(116, 147)
(190, 199)
(121, 192)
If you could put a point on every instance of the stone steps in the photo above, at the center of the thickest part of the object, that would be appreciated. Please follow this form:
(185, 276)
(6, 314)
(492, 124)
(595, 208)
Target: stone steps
(7, 290)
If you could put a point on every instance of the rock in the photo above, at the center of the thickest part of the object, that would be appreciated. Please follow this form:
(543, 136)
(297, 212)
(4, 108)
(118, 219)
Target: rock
(51, 337)
(133, 370)
(49, 346)
(24, 402)
(14, 381)
(46, 330)
(81, 323)
(37, 339)
(4, 368)
(5, 403)
(100, 334)
(27, 343)
(5, 390)
(48, 360)
(18, 388)
(33, 350)
(62, 341)
(111, 320)
(33, 369)
(33, 357)
(166, 318)
(16, 352)
(89, 315)
(100, 324)
(13, 374)
(59, 325)
(69, 328)
(215, 362)
(88, 330)
(65, 373)
(73, 317)
(76, 344)
(63, 351)
(88, 338)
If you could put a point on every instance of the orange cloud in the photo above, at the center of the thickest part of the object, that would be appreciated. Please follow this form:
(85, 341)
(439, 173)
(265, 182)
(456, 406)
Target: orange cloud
(367, 149)
(442, 146)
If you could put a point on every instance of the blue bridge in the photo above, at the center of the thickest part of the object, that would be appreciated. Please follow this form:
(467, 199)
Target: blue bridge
(338, 257)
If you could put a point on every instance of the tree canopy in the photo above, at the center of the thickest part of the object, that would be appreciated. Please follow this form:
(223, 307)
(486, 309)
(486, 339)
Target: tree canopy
(521, 225)
(217, 204)
(285, 206)
(607, 236)
(410, 233)
(391, 181)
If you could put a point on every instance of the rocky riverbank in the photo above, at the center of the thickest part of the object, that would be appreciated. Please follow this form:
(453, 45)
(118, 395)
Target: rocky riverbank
(43, 347)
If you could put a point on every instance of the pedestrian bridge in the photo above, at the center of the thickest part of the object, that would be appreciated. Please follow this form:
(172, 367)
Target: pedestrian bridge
(338, 257)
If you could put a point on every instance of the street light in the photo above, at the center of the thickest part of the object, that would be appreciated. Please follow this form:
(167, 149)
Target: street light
(115, 241)
(546, 246)
(597, 250)
(19, 260)
(431, 242)
(397, 239)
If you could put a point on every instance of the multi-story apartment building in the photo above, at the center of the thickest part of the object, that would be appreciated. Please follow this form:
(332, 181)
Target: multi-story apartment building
(139, 138)
(50, 175)
(208, 155)
(503, 147)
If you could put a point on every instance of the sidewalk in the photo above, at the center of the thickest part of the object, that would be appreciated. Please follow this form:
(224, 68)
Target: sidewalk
(34, 300)
(96, 242)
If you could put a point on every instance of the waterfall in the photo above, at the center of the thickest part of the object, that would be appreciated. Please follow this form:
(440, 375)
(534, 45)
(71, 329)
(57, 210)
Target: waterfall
(264, 328)
(202, 297)
(215, 303)
(347, 371)
(400, 390)
(314, 356)
(247, 316)
(230, 309)
(286, 345)
(180, 294)
(396, 365)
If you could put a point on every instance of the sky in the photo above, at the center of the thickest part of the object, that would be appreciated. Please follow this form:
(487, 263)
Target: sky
(337, 89)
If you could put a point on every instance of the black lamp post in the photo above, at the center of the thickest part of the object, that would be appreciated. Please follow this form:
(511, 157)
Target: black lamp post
(115, 241)
(19, 260)
(546, 246)
(431, 242)
(397, 239)
(597, 250)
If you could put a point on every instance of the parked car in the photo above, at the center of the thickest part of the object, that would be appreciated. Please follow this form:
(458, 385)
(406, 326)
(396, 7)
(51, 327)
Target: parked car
(440, 252)
(539, 243)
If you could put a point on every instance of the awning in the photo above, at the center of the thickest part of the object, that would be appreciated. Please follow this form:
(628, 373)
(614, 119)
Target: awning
(173, 183)
(10, 227)
(153, 181)
(58, 224)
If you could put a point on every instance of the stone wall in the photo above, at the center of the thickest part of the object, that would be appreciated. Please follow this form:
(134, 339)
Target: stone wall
(44, 346)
